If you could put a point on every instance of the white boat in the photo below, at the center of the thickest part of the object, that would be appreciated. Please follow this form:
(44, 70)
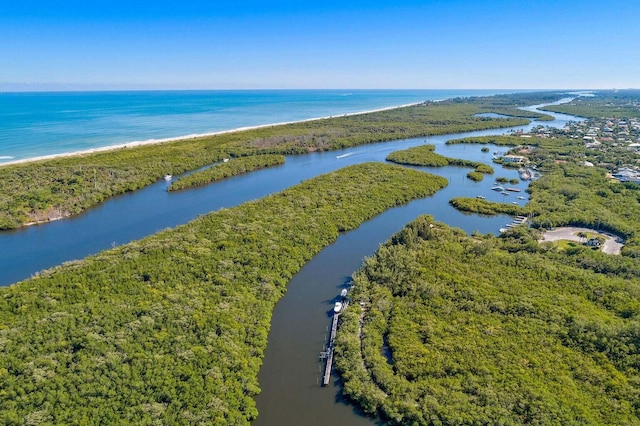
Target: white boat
(168, 177)
(480, 197)
(337, 307)
(224, 160)
(521, 197)
(497, 188)
(343, 293)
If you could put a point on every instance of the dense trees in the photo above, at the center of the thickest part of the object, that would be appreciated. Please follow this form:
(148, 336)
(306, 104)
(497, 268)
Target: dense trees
(485, 330)
(171, 329)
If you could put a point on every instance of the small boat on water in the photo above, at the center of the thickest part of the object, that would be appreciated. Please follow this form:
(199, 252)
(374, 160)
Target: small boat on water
(513, 189)
(521, 197)
(480, 197)
(343, 293)
(337, 307)
(168, 177)
(497, 188)
(504, 193)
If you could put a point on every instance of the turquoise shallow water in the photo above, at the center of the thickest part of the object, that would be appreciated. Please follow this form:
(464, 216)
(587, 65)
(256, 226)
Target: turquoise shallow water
(45, 123)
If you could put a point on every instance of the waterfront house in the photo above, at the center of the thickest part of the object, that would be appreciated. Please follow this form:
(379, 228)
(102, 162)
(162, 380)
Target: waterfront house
(513, 159)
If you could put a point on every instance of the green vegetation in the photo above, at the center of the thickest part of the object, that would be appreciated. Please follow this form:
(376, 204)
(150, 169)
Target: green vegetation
(484, 207)
(424, 155)
(501, 140)
(223, 170)
(457, 329)
(45, 190)
(486, 330)
(484, 149)
(613, 104)
(509, 104)
(171, 329)
(583, 196)
(475, 176)
(545, 152)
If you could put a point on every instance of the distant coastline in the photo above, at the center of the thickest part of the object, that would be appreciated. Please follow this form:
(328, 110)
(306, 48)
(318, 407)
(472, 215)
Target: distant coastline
(44, 125)
(187, 137)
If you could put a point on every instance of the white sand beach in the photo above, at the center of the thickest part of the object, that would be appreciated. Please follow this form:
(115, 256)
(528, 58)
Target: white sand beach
(187, 137)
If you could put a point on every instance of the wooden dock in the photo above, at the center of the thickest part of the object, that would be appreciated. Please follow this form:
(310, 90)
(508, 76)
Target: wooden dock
(326, 378)
(519, 220)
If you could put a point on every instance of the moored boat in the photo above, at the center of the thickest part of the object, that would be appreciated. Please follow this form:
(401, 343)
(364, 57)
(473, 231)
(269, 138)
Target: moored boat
(337, 307)
(525, 174)
(168, 177)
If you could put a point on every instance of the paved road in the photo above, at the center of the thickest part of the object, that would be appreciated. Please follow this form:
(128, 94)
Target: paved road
(610, 246)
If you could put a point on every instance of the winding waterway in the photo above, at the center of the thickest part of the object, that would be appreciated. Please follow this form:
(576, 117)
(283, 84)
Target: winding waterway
(289, 378)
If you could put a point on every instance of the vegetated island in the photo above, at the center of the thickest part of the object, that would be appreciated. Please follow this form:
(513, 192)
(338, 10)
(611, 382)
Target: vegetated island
(447, 328)
(40, 191)
(226, 169)
(424, 155)
(171, 329)
(484, 207)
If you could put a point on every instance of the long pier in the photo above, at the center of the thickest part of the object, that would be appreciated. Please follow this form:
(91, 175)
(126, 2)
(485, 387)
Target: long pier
(327, 368)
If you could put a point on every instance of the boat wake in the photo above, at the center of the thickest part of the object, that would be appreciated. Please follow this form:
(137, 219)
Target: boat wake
(345, 155)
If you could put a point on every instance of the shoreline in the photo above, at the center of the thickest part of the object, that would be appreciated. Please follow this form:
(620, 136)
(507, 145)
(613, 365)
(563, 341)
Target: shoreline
(134, 144)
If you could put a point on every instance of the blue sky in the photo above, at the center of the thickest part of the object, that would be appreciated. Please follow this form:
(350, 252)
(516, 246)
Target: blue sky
(322, 44)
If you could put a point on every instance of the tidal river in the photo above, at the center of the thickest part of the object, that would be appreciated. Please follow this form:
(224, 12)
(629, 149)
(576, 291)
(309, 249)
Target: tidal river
(290, 376)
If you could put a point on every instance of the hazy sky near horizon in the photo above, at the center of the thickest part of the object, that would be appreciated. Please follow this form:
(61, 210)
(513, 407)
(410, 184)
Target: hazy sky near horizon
(243, 44)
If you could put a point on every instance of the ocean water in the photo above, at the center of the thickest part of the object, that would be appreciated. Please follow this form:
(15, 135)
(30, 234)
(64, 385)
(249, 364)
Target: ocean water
(34, 124)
